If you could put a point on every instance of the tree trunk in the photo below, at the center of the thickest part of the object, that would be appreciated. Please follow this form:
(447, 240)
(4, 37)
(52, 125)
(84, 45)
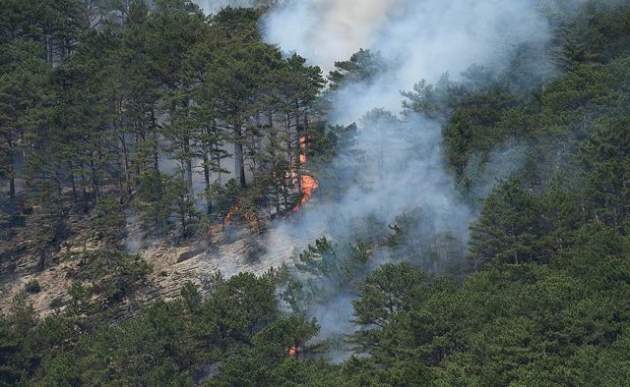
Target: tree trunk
(277, 180)
(49, 50)
(11, 168)
(41, 262)
(277, 197)
(297, 117)
(206, 176)
(188, 167)
(95, 184)
(218, 162)
(239, 162)
(11, 185)
(139, 141)
(74, 186)
(125, 163)
(156, 151)
(216, 146)
(289, 140)
(84, 195)
(207, 147)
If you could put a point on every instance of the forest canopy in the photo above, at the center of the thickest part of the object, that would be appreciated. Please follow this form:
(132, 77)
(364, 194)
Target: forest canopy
(185, 123)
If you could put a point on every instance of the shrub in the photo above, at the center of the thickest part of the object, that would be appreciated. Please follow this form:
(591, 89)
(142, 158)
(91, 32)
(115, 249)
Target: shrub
(32, 287)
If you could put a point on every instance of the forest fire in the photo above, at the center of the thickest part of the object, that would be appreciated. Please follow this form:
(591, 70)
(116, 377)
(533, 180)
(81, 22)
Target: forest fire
(233, 211)
(248, 215)
(294, 351)
(308, 184)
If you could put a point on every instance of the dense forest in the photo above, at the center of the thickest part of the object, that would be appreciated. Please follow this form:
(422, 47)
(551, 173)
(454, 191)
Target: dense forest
(153, 118)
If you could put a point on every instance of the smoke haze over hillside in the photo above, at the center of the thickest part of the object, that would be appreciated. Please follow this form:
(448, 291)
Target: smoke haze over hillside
(418, 39)
(400, 167)
(395, 163)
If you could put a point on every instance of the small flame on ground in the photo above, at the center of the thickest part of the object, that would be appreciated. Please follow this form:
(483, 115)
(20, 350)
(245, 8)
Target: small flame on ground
(233, 211)
(294, 351)
(250, 217)
(308, 186)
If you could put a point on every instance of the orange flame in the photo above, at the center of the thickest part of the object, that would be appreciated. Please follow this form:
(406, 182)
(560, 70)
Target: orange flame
(294, 351)
(230, 215)
(308, 184)
(249, 215)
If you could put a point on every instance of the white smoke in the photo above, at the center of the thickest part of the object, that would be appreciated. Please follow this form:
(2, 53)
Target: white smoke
(393, 167)
(326, 31)
(401, 166)
(419, 39)
(214, 6)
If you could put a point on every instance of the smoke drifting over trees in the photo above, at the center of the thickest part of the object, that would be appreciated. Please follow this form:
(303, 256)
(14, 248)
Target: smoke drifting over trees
(416, 39)
(408, 41)
(395, 162)
(451, 207)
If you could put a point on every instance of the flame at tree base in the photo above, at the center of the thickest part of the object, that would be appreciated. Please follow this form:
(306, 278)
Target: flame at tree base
(294, 351)
(251, 218)
(308, 184)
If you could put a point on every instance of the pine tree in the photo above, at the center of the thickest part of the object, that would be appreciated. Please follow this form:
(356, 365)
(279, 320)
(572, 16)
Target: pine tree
(606, 161)
(363, 66)
(22, 99)
(509, 227)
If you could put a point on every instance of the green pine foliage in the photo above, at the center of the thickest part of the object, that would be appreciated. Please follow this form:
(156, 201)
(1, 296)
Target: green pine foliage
(100, 120)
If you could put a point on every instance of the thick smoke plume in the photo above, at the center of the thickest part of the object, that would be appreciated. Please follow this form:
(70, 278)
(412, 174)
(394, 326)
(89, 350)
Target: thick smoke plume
(419, 39)
(395, 163)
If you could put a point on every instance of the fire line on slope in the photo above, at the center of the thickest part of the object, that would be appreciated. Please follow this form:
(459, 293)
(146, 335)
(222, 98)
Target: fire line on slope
(308, 184)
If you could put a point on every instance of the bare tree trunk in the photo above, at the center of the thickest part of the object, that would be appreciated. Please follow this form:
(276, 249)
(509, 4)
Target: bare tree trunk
(11, 185)
(216, 155)
(49, 50)
(239, 164)
(95, 184)
(289, 139)
(218, 163)
(188, 162)
(277, 180)
(156, 151)
(11, 167)
(207, 159)
(11, 180)
(206, 176)
(41, 262)
(188, 167)
(84, 194)
(74, 185)
(125, 163)
(256, 146)
(139, 163)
